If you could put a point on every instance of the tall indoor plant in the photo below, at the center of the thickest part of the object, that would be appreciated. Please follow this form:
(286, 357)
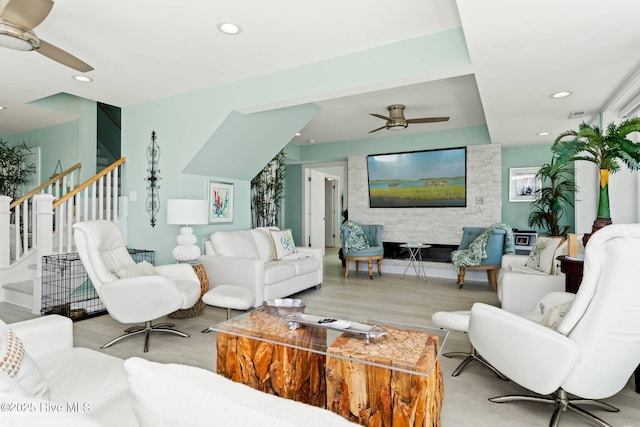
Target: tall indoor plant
(554, 198)
(267, 192)
(609, 150)
(14, 167)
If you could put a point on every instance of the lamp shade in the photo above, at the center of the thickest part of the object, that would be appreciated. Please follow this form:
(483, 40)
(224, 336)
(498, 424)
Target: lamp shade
(187, 211)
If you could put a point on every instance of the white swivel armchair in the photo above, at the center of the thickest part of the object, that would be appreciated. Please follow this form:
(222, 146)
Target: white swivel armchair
(596, 345)
(146, 293)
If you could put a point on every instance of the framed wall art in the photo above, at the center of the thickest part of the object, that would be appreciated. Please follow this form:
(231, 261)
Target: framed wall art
(523, 184)
(220, 202)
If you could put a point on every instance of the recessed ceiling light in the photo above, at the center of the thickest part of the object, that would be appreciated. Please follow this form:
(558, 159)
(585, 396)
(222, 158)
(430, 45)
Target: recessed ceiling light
(310, 141)
(2, 107)
(83, 79)
(561, 94)
(229, 28)
(298, 134)
(543, 133)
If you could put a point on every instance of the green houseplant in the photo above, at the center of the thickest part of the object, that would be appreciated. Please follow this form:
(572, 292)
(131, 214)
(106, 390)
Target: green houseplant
(14, 167)
(554, 198)
(267, 192)
(609, 150)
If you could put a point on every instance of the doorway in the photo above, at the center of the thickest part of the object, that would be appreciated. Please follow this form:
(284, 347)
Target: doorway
(324, 201)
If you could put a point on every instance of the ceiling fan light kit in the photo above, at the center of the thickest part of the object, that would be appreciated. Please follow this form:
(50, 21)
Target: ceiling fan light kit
(15, 38)
(17, 20)
(397, 121)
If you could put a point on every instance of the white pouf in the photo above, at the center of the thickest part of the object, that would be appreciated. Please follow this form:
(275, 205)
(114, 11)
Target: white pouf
(229, 297)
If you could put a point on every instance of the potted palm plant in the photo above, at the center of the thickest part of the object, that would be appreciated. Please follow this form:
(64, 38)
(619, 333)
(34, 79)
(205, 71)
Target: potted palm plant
(15, 169)
(554, 198)
(609, 150)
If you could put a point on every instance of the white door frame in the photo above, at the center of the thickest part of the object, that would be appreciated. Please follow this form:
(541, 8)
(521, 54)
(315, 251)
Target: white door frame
(336, 170)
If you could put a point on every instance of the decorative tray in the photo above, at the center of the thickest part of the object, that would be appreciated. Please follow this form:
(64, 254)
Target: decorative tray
(361, 329)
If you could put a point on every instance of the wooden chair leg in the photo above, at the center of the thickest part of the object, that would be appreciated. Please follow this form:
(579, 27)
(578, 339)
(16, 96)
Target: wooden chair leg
(379, 267)
(492, 277)
(460, 277)
(357, 266)
(346, 268)
(370, 265)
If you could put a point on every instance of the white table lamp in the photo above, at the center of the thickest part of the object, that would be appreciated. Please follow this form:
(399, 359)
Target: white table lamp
(187, 212)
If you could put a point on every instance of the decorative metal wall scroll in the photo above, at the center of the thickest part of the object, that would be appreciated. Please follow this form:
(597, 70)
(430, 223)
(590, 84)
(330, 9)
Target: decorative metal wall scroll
(153, 199)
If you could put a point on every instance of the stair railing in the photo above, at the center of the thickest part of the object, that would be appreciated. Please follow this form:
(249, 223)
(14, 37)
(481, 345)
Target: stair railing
(18, 225)
(96, 198)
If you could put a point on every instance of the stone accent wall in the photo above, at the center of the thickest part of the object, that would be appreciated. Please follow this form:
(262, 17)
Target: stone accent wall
(433, 225)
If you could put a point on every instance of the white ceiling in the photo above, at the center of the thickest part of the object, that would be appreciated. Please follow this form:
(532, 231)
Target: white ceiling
(521, 51)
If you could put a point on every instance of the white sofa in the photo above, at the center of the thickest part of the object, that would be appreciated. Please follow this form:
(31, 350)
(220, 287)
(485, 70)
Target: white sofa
(95, 381)
(521, 287)
(246, 258)
(90, 388)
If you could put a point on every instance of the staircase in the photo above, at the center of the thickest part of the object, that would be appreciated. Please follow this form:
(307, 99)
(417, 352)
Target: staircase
(47, 213)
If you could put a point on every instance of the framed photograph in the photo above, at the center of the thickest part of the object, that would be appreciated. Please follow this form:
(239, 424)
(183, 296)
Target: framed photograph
(523, 184)
(220, 202)
(522, 240)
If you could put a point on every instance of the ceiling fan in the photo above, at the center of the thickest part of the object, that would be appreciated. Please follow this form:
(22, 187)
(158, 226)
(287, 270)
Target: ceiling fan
(396, 120)
(17, 20)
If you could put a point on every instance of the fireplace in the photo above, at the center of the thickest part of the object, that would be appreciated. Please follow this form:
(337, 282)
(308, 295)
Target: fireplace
(436, 253)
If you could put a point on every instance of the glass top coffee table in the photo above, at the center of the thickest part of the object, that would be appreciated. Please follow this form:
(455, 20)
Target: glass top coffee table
(361, 369)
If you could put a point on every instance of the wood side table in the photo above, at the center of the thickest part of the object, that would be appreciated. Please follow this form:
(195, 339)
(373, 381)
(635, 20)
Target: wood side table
(572, 269)
(198, 307)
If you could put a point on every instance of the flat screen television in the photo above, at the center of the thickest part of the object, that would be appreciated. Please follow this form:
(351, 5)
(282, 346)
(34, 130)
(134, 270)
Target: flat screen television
(418, 179)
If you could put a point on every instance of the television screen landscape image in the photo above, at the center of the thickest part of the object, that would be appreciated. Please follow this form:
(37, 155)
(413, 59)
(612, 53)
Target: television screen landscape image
(418, 179)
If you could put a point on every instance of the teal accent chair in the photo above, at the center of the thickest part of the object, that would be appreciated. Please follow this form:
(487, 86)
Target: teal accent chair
(495, 249)
(375, 251)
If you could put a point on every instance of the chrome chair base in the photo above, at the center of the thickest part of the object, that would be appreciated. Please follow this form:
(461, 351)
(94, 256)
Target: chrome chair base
(146, 329)
(471, 357)
(562, 402)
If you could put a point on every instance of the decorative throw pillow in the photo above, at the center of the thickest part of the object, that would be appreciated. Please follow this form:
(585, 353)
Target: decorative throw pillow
(356, 239)
(542, 255)
(143, 268)
(282, 243)
(16, 364)
(555, 315)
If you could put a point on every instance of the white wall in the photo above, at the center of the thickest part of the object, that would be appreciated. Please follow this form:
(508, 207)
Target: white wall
(433, 225)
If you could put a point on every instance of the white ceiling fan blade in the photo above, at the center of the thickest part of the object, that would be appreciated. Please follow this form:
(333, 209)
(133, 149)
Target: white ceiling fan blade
(27, 14)
(63, 57)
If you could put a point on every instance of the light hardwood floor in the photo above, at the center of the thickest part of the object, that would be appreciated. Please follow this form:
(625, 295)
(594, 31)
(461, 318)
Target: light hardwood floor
(385, 298)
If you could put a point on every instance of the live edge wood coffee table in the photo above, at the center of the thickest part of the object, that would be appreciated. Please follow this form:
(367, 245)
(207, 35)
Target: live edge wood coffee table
(391, 380)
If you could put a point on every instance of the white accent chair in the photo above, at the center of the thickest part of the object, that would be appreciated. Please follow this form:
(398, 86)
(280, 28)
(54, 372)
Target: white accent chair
(595, 347)
(101, 248)
(521, 287)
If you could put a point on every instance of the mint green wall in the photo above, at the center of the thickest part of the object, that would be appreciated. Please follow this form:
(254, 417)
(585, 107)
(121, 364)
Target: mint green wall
(85, 139)
(265, 133)
(55, 142)
(516, 214)
(71, 142)
(293, 206)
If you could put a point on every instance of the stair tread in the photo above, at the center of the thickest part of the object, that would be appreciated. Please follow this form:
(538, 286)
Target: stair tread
(25, 287)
